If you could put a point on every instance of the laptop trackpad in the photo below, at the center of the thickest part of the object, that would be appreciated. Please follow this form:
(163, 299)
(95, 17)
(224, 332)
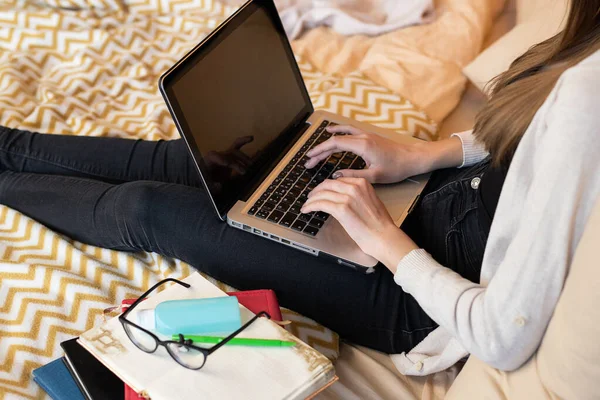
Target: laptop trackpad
(398, 197)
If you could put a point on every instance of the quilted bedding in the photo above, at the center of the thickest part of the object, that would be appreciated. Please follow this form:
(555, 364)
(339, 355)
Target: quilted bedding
(90, 67)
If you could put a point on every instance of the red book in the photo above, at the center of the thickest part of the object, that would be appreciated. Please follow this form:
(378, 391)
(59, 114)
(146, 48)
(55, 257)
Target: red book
(254, 300)
(259, 300)
(131, 394)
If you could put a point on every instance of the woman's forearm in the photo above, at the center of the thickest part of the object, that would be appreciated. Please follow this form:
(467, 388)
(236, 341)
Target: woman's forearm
(446, 153)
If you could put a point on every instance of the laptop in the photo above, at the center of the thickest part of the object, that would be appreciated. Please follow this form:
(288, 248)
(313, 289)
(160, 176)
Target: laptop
(240, 103)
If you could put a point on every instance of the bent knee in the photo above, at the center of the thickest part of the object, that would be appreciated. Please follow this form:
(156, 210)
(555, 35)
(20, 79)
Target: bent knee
(136, 200)
(135, 208)
(154, 216)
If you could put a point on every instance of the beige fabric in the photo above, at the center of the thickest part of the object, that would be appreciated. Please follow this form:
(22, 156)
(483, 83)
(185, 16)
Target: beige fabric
(368, 374)
(568, 359)
(480, 381)
(536, 21)
(462, 118)
(422, 62)
(566, 364)
(530, 9)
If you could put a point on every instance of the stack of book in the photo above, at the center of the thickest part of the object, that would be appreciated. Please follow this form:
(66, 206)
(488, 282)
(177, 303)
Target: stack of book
(79, 376)
(104, 364)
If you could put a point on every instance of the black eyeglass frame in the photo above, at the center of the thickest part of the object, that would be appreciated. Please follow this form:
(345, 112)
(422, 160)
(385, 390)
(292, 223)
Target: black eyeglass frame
(182, 342)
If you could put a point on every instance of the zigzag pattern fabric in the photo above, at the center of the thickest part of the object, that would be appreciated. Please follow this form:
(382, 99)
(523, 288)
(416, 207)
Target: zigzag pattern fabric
(90, 67)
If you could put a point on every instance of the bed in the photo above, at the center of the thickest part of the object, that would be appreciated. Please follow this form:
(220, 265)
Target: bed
(90, 67)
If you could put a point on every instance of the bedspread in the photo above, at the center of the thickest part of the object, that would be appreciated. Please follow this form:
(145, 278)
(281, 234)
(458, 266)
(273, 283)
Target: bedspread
(422, 62)
(90, 67)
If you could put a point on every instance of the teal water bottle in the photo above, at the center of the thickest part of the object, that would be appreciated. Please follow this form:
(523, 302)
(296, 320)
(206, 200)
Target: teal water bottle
(218, 315)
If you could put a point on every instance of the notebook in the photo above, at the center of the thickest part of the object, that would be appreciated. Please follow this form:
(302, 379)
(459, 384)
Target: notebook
(56, 380)
(254, 300)
(93, 378)
(231, 372)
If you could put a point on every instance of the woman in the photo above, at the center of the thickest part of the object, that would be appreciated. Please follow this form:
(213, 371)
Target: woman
(541, 120)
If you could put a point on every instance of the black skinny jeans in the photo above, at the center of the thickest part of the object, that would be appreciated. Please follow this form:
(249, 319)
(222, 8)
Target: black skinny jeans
(145, 196)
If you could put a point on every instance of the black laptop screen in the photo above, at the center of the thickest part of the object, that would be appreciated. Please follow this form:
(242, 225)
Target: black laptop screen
(239, 94)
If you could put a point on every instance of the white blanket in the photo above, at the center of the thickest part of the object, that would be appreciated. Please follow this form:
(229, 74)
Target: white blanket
(353, 17)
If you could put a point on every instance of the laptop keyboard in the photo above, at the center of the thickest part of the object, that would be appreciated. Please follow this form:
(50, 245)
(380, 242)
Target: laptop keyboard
(283, 199)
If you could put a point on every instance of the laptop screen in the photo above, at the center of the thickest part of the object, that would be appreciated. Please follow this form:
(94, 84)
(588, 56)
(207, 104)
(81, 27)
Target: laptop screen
(236, 97)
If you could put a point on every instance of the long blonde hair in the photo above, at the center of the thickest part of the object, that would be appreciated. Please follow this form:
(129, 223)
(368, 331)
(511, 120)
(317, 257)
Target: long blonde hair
(518, 93)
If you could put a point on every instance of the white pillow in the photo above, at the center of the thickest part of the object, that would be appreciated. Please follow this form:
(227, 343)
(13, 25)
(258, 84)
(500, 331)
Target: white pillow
(537, 20)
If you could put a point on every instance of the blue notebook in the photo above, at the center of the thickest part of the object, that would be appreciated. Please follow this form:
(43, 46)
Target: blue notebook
(56, 380)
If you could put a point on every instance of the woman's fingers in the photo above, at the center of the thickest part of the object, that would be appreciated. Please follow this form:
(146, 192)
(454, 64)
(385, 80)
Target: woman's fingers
(330, 204)
(369, 174)
(350, 186)
(313, 161)
(342, 191)
(336, 143)
(331, 185)
(335, 186)
(339, 205)
(333, 196)
(326, 206)
(364, 188)
(333, 145)
(344, 129)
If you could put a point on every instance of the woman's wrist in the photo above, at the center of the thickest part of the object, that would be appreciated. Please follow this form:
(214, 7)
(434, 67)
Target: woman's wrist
(446, 153)
(394, 246)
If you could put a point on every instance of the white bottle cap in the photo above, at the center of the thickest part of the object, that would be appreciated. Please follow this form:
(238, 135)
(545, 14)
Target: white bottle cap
(145, 319)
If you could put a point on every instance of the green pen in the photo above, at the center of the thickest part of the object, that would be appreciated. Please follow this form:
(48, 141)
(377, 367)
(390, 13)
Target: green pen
(237, 341)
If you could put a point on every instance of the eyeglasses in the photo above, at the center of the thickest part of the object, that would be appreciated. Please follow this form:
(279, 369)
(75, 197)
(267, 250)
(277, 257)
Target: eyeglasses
(182, 351)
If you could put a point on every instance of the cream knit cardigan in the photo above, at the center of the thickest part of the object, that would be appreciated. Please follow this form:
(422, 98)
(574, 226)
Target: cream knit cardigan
(548, 195)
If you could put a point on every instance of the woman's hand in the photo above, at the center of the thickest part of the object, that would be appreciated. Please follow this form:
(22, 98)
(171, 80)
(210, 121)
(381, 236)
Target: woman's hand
(387, 161)
(354, 203)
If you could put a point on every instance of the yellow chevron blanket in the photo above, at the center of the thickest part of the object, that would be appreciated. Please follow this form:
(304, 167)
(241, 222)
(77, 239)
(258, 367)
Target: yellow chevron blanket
(90, 67)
